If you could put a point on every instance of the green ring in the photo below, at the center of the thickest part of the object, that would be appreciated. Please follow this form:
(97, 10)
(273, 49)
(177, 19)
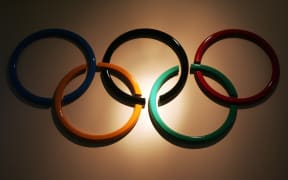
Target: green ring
(185, 140)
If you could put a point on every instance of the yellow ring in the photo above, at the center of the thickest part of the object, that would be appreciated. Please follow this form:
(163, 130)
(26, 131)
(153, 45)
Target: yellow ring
(115, 135)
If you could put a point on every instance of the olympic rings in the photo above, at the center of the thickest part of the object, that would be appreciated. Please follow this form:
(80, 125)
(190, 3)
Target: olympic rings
(157, 35)
(184, 139)
(248, 36)
(135, 99)
(61, 33)
(96, 138)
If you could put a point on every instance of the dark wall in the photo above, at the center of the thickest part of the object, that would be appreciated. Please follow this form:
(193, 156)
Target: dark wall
(32, 147)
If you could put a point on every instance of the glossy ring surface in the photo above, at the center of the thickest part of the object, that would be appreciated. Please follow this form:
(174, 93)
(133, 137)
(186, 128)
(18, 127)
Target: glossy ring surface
(113, 136)
(236, 33)
(152, 34)
(48, 33)
(177, 137)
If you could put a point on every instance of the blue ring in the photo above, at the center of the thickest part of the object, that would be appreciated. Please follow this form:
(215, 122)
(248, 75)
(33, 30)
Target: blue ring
(47, 33)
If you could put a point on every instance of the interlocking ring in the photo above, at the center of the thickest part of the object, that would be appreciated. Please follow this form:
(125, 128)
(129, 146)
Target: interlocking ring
(47, 33)
(113, 136)
(185, 140)
(153, 34)
(135, 99)
(230, 33)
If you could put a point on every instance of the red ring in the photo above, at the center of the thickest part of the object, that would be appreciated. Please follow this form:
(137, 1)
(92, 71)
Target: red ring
(236, 33)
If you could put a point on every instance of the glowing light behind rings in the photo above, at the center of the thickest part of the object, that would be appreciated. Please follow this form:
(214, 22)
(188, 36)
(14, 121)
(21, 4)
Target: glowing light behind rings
(142, 33)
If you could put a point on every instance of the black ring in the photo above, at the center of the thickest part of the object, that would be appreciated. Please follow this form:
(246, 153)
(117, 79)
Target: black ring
(153, 34)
